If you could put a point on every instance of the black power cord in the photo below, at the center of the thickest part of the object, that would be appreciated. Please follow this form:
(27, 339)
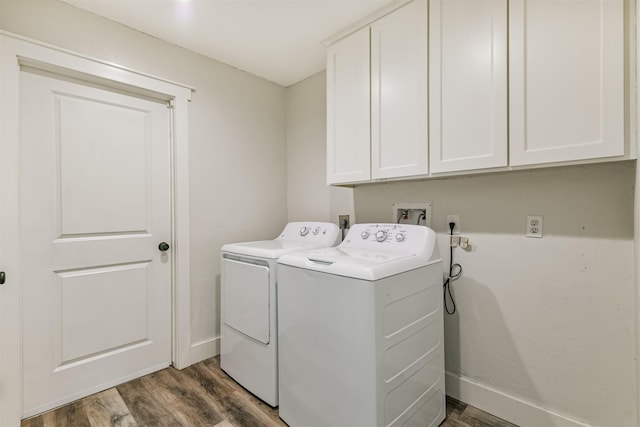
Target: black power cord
(343, 226)
(423, 215)
(455, 270)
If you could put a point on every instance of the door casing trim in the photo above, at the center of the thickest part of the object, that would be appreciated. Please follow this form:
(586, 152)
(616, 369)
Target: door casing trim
(15, 52)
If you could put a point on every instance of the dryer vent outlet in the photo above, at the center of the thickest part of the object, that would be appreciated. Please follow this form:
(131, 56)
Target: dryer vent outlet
(412, 213)
(344, 222)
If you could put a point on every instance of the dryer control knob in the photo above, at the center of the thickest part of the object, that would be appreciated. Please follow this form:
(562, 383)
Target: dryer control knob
(364, 234)
(316, 231)
(400, 237)
(304, 231)
(381, 235)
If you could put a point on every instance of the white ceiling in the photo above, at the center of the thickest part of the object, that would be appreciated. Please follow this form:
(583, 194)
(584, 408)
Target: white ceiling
(279, 40)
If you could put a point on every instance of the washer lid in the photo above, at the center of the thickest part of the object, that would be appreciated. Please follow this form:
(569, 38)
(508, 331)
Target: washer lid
(357, 263)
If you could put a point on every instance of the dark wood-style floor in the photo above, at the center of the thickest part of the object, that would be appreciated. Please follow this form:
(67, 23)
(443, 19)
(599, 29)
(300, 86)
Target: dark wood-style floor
(201, 395)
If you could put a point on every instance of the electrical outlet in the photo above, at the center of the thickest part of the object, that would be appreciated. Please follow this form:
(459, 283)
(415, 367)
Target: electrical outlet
(534, 226)
(412, 213)
(458, 240)
(456, 220)
(344, 222)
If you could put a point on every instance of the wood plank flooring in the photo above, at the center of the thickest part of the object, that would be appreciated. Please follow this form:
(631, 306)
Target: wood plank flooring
(201, 395)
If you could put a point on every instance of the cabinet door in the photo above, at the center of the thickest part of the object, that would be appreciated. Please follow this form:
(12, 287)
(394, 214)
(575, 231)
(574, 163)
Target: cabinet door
(566, 99)
(399, 92)
(348, 111)
(467, 84)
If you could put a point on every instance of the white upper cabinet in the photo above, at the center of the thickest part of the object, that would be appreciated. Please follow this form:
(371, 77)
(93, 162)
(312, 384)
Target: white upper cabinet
(566, 95)
(348, 110)
(377, 99)
(399, 132)
(467, 84)
(455, 86)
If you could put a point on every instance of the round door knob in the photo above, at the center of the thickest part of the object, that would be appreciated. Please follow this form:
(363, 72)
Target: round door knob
(164, 246)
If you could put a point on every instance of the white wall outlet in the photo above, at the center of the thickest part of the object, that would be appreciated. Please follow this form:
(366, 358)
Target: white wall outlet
(456, 220)
(412, 213)
(458, 240)
(534, 226)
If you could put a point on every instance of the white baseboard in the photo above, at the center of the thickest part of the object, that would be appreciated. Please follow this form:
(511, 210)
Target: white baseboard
(205, 349)
(505, 406)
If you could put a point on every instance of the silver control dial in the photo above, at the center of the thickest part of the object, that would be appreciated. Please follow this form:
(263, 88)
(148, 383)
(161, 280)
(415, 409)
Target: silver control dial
(304, 231)
(316, 231)
(381, 235)
(400, 237)
(364, 234)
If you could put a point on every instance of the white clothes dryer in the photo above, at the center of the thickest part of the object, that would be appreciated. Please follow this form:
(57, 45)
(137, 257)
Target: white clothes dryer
(249, 335)
(361, 331)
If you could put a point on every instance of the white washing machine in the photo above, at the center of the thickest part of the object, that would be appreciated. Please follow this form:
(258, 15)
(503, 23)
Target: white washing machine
(361, 331)
(249, 334)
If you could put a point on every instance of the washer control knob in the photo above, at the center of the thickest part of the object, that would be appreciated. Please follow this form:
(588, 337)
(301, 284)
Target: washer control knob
(316, 231)
(381, 235)
(400, 237)
(304, 231)
(364, 234)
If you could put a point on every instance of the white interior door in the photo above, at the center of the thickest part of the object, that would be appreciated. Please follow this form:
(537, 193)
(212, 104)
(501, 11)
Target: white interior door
(95, 204)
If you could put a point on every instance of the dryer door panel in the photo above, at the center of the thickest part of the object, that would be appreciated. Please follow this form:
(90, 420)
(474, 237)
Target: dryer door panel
(246, 298)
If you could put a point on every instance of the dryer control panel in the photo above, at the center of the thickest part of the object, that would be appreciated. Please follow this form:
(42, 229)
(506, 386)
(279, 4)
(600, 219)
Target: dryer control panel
(296, 236)
(320, 233)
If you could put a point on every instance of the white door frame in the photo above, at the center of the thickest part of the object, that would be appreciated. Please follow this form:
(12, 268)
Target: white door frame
(16, 51)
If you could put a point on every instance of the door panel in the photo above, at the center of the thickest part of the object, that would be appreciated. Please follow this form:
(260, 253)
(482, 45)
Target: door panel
(467, 84)
(118, 149)
(399, 132)
(246, 299)
(91, 326)
(348, 110)
(95, 203)
(566, 80)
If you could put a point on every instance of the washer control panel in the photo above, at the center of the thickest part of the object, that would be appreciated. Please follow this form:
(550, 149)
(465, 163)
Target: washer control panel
(384, 232)
(386, 237)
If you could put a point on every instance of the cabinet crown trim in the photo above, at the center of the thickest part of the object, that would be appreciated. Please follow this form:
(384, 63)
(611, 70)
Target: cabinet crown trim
(367, 20)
